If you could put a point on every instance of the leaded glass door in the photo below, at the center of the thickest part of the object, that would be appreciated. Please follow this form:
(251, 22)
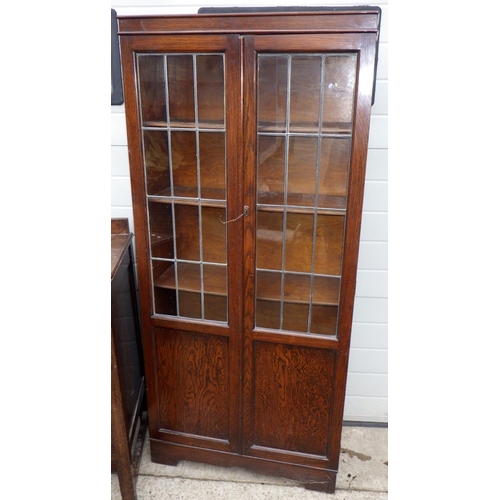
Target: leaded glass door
(302, 136)
(183, 126)
(190, 180)
(304, 122)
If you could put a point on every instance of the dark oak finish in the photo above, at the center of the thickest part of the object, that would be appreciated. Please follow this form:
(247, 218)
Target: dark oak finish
(128, 402)
(248, 136)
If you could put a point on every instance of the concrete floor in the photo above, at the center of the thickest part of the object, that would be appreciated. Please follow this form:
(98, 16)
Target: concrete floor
(363, 475)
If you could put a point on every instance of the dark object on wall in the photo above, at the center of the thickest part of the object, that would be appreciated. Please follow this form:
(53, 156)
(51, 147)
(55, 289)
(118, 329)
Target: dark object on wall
(116, 72)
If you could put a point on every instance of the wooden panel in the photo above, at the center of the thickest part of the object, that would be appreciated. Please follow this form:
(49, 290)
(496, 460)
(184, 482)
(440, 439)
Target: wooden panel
(304, 22)
(293, 393)
(193, 383)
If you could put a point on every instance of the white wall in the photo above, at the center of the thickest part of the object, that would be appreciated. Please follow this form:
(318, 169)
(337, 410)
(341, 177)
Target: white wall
(367, 393)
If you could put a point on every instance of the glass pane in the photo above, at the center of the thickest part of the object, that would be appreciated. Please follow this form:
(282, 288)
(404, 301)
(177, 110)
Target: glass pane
(181, 90)
(184, 167)
(334, 167)
(214, 234)
(189, 287)
(302, 160)
(268, 285)
(212, 165)
(210, 82)
(329, 244)
(152, 89)
(188, 277)
(271, 169)
(297, 287)
(267, 305)
(215, 279)
(302, 181)
(187, 236)
(295, 317)
(339, 80)
(272, 98)
(324, 319)
(269, 239)
(164, 287)
(157, 166)
(299, 242)
(215, 296)
(215, 307)
(161, 230)
(189, 304)
(164, 274)
(267, 314)
(305, 88)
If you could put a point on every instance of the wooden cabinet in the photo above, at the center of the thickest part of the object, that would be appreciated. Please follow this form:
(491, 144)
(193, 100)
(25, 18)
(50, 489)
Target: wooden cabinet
(128, 402)
(248, 136)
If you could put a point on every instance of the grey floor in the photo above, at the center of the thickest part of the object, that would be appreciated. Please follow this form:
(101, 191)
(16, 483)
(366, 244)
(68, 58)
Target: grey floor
(363, 475)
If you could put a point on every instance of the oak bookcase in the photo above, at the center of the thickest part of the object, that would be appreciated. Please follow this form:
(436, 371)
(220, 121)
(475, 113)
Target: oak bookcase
(248, 136)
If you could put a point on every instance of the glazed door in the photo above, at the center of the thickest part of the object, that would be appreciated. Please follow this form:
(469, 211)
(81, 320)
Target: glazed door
(302, 93)
(187, 177)
(247, 205)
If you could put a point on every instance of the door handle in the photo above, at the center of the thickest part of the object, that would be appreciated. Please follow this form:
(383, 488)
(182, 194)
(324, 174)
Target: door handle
(245, 213)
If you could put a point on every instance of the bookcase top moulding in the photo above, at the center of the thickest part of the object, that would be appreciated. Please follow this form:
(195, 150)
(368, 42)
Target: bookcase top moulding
(258, 21)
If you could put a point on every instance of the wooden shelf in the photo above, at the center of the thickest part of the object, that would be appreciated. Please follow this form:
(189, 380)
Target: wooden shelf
(189, 196)
(263, 127)
(157, 238)
(305, 128)
(297, 288)
(301, 203)
(189, 279)
(178, 124)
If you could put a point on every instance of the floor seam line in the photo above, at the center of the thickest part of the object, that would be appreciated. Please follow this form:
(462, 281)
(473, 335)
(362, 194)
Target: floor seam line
(296, 485)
